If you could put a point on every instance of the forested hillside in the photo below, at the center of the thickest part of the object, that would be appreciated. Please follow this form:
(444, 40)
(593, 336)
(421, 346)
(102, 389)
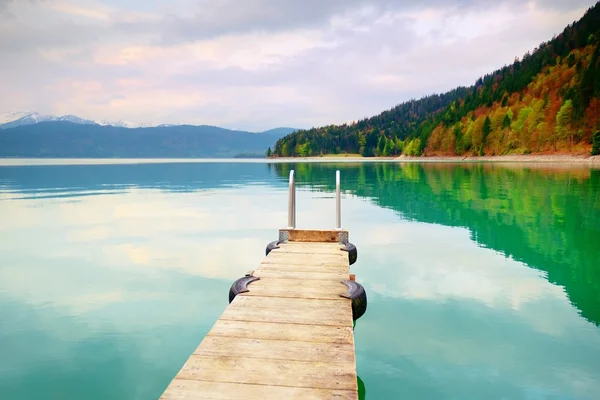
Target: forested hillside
(546, 102)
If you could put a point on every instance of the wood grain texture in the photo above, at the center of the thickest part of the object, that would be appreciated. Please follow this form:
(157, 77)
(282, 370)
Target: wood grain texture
(309, 374)
(289, 337)
(340, 268)
(296, 288)
(279, 331)
(313, 235)
(186, 389)
(291, 304)
(276, 349)
(310, 248)
(331, 316)
(302, 275)
(337, 259)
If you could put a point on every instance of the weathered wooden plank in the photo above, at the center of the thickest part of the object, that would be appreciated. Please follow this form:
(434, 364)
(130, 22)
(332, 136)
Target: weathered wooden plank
(277, 331)
(336, 312)
(306, 259)
(295, 275)
(274, 303)
(310, 248)
(315, 245)
(334, 316)
(221, 346)
(185, 389)
(295, 288)
(296, 292)
(304, 255)
(309, 374)
(313, 235)
(343, 269)
(325, 285)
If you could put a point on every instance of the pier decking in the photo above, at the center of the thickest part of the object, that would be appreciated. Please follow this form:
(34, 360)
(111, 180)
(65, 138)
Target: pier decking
(290, 336)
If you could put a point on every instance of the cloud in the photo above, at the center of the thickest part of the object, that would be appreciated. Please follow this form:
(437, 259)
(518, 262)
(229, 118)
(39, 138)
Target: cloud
(257, 64)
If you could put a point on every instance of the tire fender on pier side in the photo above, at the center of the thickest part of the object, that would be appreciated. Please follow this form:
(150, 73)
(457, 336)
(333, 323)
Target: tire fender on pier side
(356, 292)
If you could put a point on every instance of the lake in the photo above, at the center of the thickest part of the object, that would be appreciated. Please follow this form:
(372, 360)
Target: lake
(483, 279)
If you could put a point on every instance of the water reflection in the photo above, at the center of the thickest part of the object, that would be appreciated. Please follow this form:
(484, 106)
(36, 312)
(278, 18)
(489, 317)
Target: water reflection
(111, 274)
(362, 390)
(546, 217)
(77, 180)
(446, 315)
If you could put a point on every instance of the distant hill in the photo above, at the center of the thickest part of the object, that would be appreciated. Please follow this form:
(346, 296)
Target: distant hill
(279, 132)
(549, 101)
(68, 139)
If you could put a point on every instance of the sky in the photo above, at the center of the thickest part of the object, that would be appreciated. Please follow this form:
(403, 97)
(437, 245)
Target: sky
(257, 64)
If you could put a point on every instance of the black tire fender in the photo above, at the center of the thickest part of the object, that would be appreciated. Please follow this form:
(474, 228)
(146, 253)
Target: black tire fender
(241, 286)
(272, 246)
(356, 292)
(352, 252)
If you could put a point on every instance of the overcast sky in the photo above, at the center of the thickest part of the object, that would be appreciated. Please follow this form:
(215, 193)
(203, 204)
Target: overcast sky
(256, 64)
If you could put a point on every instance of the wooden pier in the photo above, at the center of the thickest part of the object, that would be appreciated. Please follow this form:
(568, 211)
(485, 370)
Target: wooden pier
(289, 337)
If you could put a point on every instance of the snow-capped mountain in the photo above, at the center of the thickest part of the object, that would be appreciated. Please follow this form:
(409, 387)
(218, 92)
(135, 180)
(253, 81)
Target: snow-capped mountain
(15, 119)
(19, 118)
(120, 124)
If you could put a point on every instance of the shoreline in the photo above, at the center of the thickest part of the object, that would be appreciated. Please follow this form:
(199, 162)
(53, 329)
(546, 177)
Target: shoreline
(525, 158)
(529, 159)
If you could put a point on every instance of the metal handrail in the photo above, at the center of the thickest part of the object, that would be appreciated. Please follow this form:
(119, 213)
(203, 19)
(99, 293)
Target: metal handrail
(292, 202)
(338, 201)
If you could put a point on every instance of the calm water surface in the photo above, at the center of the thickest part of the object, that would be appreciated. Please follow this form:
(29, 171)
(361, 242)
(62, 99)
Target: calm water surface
(483, 280)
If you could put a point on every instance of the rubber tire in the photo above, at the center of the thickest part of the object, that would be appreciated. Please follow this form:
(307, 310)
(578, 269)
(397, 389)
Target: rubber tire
(272, 246)
(352, 252)
(241, 286)
(356, 292)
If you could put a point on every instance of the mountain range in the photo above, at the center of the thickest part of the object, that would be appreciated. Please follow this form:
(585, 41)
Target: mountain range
(36, 135)
(12, 120)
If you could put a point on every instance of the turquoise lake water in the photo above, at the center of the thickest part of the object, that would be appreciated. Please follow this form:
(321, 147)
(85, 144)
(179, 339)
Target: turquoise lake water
(483, 280)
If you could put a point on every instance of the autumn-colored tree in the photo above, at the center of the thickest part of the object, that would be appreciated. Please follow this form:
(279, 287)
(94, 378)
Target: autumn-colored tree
(467, 139)
(434, 143)
(448, 145)
(477, 135)
(413, 148)
(564, 120)
(554, 105)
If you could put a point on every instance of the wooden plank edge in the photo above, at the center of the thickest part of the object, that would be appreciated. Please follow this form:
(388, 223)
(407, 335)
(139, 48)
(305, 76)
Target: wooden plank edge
(313, 235)
(203, 390)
